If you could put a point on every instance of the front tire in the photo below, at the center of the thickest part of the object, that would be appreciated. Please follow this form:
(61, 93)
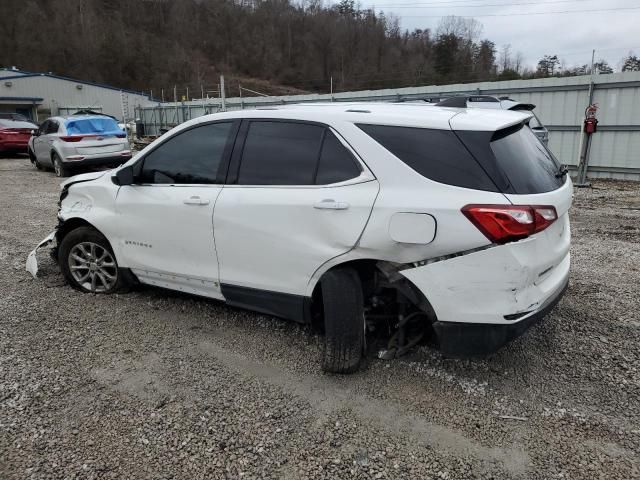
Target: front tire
(59, 167)
(88, 263)
(343, 306)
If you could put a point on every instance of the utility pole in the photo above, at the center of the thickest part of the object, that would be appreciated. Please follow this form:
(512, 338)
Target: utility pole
(223, 103)
(585, 140)
(331, 87)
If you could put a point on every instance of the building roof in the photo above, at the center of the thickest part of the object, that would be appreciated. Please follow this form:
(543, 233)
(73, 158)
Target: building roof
(21, 99)
(22, 74)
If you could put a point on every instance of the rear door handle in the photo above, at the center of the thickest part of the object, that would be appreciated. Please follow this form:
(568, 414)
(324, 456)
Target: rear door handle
(330, 204)
(195, 200)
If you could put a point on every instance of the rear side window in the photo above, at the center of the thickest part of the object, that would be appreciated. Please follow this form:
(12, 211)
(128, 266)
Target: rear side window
(435, 154)
(293, 153)
(280, 153)
(526, 162)
(336, 162)
(192, 156)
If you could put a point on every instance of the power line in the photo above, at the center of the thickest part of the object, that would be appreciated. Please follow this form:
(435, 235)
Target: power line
(428, 5)
(523, 14)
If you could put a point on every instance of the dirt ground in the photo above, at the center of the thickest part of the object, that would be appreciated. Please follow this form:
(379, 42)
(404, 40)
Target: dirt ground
(158, 385)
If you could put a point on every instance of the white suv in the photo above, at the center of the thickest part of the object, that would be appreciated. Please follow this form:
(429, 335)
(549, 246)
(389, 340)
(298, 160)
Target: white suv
(451, 221)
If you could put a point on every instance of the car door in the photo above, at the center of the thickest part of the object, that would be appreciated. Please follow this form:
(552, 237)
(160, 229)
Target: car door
(165, 218)
(39, 142)
(296, 197)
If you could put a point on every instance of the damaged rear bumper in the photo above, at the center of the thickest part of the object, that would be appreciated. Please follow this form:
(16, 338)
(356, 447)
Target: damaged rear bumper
(481, 339)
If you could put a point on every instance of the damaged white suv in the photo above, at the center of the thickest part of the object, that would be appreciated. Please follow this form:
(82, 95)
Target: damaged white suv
(447, 221)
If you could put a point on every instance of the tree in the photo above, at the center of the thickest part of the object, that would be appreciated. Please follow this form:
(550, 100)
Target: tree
(631, 63)
(602, 67)
(547, 65)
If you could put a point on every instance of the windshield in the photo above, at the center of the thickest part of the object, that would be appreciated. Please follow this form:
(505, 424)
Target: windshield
(92, 125)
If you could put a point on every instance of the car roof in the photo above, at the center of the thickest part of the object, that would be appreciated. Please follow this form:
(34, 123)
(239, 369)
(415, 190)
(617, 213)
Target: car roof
(380, 113)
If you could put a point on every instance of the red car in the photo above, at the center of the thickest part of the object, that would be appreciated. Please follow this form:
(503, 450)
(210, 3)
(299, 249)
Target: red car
(15, 135)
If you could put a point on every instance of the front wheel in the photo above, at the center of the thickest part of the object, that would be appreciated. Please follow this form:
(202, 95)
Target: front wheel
(343, 305)
(88, 263)
(59, 167)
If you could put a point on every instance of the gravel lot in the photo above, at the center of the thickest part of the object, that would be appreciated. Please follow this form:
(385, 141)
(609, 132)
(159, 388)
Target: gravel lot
(154, 384)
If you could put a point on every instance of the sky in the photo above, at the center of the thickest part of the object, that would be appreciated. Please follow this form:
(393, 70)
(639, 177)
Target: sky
(612, 29)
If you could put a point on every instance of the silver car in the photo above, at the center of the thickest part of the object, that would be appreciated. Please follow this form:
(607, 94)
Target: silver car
(68, 144)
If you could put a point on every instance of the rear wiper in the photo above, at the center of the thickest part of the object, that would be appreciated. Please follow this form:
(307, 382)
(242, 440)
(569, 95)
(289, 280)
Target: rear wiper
(562, 171)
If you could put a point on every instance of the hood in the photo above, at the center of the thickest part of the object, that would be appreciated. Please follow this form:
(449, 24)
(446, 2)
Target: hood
(83, 177)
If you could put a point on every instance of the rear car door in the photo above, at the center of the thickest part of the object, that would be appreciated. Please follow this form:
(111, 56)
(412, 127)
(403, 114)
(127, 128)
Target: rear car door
(42, 143)
(165, 220)
(296, 197)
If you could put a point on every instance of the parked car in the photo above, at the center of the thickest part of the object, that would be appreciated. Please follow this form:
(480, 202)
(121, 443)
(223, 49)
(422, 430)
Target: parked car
(15, 135)
(69, 144)
(504, 103)
(454, 222)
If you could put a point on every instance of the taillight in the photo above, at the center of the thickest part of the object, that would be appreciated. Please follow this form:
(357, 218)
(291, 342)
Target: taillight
(508, 223)
(75, 138)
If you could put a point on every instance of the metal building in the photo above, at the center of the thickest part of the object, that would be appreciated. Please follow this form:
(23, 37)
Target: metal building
(39, 95)
(615, 152)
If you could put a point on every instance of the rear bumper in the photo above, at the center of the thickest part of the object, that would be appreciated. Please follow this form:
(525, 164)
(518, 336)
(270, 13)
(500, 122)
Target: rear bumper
(479, 340)
(110, 161)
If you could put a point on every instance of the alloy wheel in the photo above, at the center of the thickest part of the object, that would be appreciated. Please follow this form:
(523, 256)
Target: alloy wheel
(93, 267)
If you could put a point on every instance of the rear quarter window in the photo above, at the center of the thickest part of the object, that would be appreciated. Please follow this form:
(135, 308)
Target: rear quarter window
(435, 154)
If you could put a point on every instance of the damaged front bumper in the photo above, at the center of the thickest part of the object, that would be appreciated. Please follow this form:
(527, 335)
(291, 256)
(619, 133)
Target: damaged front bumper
(32, 260)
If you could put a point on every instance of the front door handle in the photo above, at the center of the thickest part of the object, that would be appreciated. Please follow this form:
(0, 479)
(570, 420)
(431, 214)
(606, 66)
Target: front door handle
(195, 200)
(330, 204)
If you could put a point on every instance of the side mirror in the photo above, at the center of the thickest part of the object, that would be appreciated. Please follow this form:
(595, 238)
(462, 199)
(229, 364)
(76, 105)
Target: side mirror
(124, 176)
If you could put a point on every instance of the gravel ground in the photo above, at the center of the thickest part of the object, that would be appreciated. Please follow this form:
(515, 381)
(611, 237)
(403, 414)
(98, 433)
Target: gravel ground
(154, 384)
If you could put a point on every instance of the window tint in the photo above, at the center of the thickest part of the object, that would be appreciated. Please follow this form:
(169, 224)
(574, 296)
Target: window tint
(336, 162)
(435, 154)
(189, 157)
(280, 153)
(527, 163)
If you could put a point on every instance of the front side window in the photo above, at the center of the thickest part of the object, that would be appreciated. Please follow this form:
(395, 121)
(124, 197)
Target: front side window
(190, 157)
(294, 153)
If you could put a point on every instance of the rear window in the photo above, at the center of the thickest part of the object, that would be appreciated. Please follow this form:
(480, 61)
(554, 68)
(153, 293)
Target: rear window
(435, 154)
(526, 162)
(16, 124)
(97, 125)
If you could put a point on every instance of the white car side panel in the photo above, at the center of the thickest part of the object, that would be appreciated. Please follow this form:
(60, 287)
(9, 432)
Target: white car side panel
(419, 228)
(274, 238)
(165, 234)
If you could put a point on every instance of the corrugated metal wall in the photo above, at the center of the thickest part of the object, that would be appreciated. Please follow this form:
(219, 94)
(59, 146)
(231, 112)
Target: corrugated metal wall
(57, 92)
(615, 151)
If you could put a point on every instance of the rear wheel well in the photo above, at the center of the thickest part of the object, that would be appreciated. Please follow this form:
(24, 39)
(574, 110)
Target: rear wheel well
(383, 289)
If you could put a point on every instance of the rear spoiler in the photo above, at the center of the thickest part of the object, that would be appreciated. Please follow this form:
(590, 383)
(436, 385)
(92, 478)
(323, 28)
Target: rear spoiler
(523, 106)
